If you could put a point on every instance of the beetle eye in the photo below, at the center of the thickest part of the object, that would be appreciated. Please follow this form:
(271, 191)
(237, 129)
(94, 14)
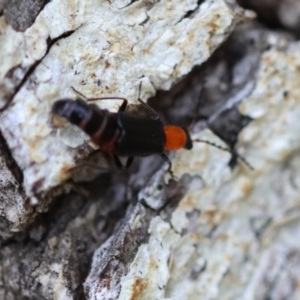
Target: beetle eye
(60, 107)
(73, 111)
(77, 114)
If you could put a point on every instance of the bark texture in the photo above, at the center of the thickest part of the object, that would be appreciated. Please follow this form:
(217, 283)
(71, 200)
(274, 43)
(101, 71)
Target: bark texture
(218, 230)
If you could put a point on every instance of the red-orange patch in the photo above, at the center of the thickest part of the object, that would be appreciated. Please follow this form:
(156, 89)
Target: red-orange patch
(175, 138)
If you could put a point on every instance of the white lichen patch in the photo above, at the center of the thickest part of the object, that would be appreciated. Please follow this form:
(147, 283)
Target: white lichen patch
(107, 51)
(149, 272)
(235, 234)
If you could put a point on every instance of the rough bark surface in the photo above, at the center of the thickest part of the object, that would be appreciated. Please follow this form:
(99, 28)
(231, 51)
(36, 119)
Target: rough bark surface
(20, 14)
(218, 230)
(101, 49)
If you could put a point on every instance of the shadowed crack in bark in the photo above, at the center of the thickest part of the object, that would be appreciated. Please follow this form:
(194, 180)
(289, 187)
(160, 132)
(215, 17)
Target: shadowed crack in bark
(13, 73)
(50, 43)
(190, 12)
(10, 162)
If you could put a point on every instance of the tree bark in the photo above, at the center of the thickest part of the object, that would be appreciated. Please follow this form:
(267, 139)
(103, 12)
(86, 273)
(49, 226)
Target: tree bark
(225, 227)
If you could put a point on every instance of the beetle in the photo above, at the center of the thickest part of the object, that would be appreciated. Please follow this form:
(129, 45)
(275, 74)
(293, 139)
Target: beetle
(126, 134)
(122, 133)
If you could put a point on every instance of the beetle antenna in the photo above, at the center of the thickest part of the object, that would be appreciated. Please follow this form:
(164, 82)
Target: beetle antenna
(80, 94)
(226, 150)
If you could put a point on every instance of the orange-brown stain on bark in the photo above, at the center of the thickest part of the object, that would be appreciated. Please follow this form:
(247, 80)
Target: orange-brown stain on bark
(138, 287)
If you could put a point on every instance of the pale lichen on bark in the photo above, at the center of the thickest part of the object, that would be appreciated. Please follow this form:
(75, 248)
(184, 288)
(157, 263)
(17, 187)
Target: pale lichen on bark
(109, 51)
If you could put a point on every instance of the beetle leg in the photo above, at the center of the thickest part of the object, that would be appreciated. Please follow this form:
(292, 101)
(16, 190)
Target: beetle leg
(123, 105)
(145, 104)
(121, 108)
(167, 160)
(119, 163)
(149, 108)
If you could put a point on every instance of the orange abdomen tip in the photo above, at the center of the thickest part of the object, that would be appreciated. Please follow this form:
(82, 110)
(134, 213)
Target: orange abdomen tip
(175, 138)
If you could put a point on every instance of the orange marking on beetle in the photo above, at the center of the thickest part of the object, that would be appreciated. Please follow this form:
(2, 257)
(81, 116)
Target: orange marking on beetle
(175, 138)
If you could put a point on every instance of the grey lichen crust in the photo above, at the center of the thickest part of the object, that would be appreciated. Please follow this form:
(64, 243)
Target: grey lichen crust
(101, 49)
